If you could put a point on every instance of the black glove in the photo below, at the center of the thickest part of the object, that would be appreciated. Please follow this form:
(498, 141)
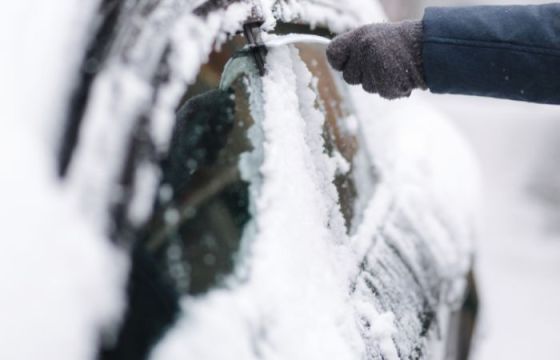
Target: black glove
(384, 58)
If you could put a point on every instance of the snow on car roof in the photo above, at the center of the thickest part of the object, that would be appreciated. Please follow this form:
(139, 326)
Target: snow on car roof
(337, 16)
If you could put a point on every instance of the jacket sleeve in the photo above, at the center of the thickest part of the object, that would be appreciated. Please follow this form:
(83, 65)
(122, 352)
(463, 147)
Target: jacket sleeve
(510, 52)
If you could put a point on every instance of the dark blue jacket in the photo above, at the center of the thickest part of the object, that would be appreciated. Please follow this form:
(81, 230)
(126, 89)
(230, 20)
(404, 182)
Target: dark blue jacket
(510, 52)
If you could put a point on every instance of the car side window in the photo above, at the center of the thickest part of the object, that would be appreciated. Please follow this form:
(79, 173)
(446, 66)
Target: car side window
(201, 208)
(202, 205)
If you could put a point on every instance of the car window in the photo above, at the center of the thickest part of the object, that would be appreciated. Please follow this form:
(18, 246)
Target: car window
(202, 205)
(201, 208)
(355, 176)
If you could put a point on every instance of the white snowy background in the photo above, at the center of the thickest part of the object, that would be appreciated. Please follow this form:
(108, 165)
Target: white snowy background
(518, 259)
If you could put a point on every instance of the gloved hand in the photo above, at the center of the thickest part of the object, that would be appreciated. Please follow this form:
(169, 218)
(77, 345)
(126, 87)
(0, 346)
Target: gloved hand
(384, 58)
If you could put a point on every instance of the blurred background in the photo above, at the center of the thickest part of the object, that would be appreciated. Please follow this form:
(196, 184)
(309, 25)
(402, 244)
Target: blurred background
(518, 262)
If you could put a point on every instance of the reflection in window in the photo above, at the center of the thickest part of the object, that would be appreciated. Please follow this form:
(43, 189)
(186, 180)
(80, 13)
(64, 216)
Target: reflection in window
(203, 204)
(199, 214)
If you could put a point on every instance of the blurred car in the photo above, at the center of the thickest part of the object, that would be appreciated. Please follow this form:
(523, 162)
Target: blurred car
(267, 209)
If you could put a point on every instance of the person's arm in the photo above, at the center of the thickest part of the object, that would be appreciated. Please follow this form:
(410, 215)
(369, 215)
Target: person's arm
(508, 52)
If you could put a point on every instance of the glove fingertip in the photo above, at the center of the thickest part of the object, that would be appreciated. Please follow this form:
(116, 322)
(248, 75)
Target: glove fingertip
(337, 54)
(352, 76)
(368, 84)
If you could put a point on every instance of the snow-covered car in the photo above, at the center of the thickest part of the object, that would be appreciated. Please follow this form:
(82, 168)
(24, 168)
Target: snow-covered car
(213, 190)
